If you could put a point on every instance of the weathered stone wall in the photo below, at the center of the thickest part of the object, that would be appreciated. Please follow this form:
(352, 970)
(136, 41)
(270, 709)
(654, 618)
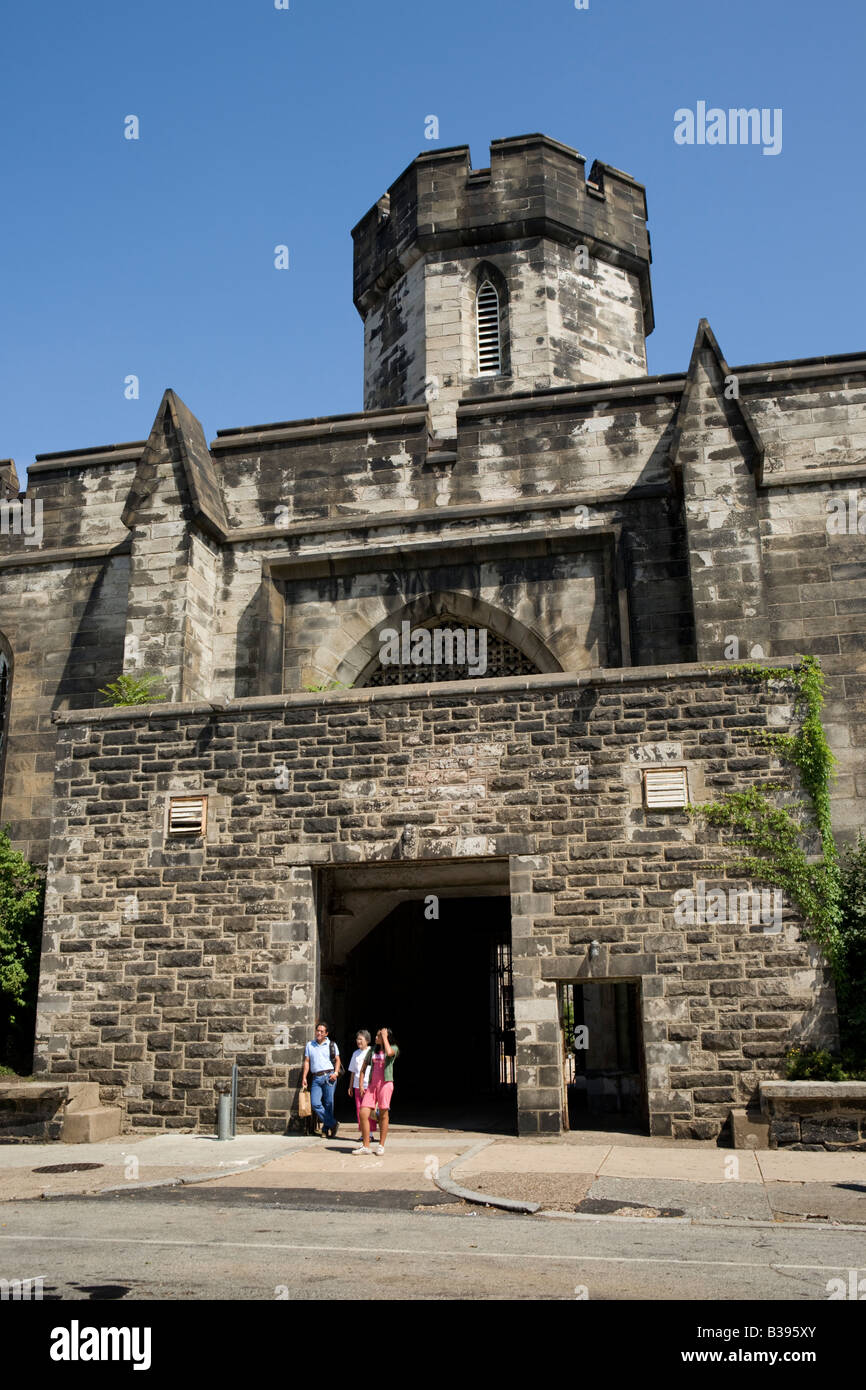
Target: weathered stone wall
(345, 467)
(561, 321)
(82, 495)
(745, 551)
(775, 561)
(165, 960)
(64, 623)
(63, 596)
(395, 340)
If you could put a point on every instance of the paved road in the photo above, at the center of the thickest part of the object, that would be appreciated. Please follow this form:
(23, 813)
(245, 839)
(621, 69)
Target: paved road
(162, 1245)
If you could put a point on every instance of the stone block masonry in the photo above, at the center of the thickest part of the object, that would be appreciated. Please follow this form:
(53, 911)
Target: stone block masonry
(168, 958)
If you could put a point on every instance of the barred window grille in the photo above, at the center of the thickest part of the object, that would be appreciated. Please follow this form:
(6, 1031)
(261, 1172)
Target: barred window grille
(489, 335)
(187, 815)
(503, 659)
(666, 789)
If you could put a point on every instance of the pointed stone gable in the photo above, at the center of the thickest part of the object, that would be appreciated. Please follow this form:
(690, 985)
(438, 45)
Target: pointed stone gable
(177, 518)
(177, 429)
(718, 452)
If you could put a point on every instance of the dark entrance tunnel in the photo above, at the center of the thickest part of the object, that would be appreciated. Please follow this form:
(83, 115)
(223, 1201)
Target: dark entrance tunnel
(443, 984)
(603, 1055)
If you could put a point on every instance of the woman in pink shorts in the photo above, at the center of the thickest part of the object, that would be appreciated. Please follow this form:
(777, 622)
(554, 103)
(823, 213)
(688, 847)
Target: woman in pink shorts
(378, 1093)
(356, 1080)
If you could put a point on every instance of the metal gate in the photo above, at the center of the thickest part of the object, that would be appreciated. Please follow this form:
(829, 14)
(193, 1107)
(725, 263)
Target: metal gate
(503, 1035)
(602, 1055)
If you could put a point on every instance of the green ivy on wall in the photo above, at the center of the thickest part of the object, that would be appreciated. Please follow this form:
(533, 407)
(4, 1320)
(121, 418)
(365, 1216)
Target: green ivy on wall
(772, 834)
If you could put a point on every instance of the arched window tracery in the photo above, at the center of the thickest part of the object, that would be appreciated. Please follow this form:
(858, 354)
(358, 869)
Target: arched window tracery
(444, 649)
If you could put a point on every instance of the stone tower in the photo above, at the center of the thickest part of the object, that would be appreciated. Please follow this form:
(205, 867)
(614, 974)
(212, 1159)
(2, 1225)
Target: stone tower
(519, 277)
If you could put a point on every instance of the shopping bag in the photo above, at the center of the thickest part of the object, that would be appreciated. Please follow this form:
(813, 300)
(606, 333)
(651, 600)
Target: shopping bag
(305, 1105)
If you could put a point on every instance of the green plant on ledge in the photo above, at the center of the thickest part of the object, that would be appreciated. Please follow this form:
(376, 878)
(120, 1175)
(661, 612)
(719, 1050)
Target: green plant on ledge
(132, 690)
(773, 835)
(819, 1065)
(328, 685)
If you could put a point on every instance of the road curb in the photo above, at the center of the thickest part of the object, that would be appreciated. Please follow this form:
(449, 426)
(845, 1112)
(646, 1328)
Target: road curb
(740, 1222)
(443, 1181)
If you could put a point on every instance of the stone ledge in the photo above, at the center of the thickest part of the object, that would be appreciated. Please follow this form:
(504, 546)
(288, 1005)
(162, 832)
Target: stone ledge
(404, 417)
(813, 1090)
(67, 555)
(505, 686)
(815, 1115)
(815, 477)
(86, 458)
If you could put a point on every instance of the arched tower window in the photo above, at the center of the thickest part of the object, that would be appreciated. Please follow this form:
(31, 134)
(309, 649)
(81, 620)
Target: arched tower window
(489, 330)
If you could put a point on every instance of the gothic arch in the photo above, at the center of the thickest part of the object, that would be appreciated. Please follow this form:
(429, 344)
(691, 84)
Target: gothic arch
(487, 272)
(361, 661)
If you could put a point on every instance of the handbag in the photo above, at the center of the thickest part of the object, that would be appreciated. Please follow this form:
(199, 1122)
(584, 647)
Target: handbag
(305, 1105)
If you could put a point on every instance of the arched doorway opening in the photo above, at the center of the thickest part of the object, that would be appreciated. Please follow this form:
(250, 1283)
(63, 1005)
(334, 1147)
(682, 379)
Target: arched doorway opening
(425, 949)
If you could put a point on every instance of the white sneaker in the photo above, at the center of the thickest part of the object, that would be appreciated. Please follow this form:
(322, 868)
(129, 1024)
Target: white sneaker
(380, 1148)
(361, 1150)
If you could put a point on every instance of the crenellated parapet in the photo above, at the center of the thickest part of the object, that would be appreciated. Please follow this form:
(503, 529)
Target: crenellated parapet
(534, 187)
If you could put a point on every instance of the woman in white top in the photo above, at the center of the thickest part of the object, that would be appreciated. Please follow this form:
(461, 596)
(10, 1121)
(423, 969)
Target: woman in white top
(357, 1083)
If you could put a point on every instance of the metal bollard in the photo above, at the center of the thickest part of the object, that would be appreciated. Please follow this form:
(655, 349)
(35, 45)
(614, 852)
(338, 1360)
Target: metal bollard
(224, 1116)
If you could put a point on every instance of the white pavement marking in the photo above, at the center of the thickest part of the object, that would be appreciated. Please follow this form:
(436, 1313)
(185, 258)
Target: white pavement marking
(414, 1253)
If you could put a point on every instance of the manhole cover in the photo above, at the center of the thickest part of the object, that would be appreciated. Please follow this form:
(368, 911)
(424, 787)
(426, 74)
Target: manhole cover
(69, 1168)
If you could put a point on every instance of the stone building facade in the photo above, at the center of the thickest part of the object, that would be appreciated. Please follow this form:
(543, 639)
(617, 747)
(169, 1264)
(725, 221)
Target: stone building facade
(616, 537)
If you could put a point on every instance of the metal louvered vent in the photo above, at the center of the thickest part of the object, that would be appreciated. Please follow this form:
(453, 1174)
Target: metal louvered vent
(489, 349)
(666, 789)
(187, 815)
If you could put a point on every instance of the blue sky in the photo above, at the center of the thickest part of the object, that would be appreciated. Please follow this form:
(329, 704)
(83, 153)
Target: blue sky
(261, 126)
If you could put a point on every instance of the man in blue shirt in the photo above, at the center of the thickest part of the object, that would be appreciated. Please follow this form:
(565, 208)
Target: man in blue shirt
(322, 1064)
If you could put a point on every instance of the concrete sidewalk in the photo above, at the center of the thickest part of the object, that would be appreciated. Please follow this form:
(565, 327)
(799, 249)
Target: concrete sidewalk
(702, 1182)
(588, 1174)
